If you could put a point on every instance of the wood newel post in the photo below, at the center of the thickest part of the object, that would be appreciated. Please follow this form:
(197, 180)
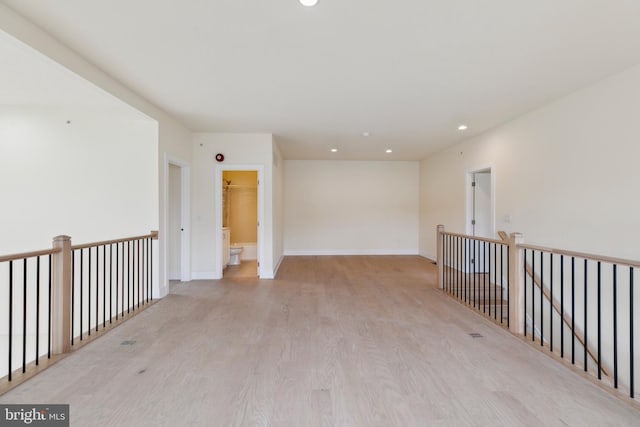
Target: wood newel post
(440, 255)
(154, 234)
(516, 284)
(61, 296)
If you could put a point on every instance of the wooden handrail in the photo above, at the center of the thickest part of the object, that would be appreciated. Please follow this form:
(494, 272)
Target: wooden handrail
(482, 239)
(153, 236)
(31, 254)
(592, 257)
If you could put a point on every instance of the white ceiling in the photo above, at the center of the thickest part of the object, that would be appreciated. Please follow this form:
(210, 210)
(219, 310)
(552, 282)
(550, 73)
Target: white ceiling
(30, 78)
(406, 71)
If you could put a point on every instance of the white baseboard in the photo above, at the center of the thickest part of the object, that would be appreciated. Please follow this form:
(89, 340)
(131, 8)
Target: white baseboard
(249, 251)
(203, 275)
(427, 255)
(173, 276)
(316, 252)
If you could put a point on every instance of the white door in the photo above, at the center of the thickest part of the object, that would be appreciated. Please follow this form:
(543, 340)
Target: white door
(174, 242)
(479, 218)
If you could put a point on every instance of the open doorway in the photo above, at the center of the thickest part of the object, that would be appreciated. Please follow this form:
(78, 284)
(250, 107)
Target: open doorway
(239, 217)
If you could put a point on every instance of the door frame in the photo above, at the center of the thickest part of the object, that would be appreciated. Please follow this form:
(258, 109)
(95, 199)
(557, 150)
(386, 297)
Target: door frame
(469, 207)
(469, 198)
(218, 213)
(185, 217)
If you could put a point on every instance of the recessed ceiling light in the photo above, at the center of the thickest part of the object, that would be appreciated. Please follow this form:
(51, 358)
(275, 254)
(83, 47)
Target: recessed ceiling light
(334, 150)
(389, 150)
(308, 3)
(463, 127)
(365, 134)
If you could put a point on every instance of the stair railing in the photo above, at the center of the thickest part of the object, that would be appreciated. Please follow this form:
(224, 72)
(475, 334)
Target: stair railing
(54, 300)
(580, 307)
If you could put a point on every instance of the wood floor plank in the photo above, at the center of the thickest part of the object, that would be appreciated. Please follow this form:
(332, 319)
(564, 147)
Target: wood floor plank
(332, 341)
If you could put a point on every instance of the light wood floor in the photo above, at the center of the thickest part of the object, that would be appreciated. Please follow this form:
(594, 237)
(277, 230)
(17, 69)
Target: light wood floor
(247, 269)
(344, 341)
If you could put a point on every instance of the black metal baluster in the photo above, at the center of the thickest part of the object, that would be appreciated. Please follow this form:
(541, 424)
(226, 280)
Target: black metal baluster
(495, 280)
(573, 310)
(49, 316)
(508, 285)
(97, 285)
(450, 271)
(501, 283)
(474, 261)
(631, 372)
(562, 306)
(585, 316)
(460, 268)
(466, 267)
(10, 317)
(151, 264)
(459, 263)
(524, 272)
(615, 325)
(73, 293)
(129, 276)
(24, 315)
(533, 295)
(148, 271)
(37, 310)
(444, 251)
(599, 326)
(123, 278)
(541, 298)
(484, 276)
(89, 294)
(139, 274)
(111, 283)
(104, 286)
(551, 303)
(117, 278)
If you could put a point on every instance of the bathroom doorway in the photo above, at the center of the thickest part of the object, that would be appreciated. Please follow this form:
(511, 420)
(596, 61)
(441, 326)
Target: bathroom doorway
(239, 217)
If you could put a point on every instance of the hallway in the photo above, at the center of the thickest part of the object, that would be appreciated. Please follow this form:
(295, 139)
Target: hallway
(349, 341)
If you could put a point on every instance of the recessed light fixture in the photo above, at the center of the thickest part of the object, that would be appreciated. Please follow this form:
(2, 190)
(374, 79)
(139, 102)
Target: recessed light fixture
(463, 127)
(334, 150)
(365, 134)
(308, 3)
(389, 150)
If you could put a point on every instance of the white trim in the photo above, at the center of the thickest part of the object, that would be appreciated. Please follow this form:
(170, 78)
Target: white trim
(185, 213)
(316, 252)
(203, 275)
(275, 269)
(218, 212)
(427, 255)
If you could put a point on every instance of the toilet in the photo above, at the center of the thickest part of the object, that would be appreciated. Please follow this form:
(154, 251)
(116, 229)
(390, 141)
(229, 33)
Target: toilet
(234, 254)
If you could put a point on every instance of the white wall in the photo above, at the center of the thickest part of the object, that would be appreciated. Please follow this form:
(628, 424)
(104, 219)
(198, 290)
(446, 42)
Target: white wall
(93, 178)
(351, 207)
(566, 174)
(173, 138)
(238, 149)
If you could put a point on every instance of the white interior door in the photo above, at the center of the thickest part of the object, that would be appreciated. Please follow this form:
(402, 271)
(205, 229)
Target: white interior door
(175, 223)
(479, 218)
